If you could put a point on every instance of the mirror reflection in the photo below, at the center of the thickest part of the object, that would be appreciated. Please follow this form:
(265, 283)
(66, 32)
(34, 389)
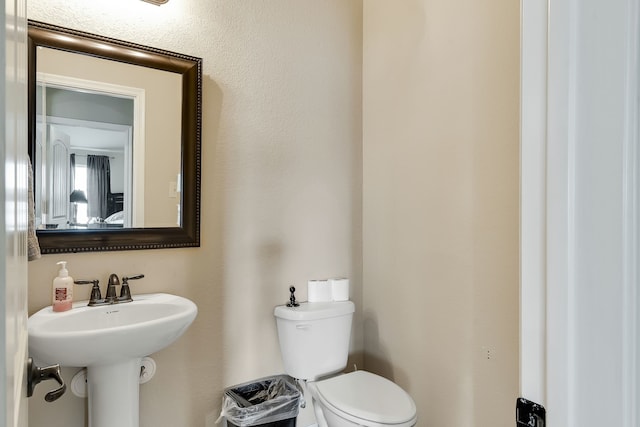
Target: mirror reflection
(97, 124)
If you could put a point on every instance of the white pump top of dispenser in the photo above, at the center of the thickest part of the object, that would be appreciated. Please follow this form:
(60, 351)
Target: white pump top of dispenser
(63, 270)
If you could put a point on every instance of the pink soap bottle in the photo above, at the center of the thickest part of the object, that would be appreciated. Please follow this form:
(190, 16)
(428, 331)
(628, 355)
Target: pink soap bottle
(62, 289)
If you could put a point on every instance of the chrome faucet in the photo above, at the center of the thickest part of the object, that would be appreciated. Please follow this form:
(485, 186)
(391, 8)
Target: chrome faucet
(111, 296)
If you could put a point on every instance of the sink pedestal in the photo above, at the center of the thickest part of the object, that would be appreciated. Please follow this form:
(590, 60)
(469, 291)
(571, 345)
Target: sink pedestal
(113, 393)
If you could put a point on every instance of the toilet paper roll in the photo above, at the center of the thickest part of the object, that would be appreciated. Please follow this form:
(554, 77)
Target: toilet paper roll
(319, 291)
(340, 289)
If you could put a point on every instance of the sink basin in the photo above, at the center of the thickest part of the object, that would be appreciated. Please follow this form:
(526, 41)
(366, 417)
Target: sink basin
(110, 341)
(85, 336)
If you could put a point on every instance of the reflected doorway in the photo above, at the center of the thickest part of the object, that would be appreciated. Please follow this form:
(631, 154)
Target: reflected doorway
(85, 145)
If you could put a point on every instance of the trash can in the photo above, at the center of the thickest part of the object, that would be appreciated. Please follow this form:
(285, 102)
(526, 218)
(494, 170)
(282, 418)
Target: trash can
(267, 402)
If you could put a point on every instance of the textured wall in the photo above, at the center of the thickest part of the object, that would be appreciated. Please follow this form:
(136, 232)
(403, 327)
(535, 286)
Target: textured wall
(281, 185)
(440, 227)
(282, 171)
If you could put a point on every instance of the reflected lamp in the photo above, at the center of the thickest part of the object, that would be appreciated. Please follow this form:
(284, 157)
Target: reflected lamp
(77, 196)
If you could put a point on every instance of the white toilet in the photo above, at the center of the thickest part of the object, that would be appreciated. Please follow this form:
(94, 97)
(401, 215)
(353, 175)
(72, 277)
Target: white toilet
(314, 341)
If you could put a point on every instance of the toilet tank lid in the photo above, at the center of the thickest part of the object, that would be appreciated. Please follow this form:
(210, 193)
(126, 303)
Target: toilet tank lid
(315, 310)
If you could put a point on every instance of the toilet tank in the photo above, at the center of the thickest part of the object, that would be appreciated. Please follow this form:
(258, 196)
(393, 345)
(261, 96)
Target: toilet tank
(314, 337)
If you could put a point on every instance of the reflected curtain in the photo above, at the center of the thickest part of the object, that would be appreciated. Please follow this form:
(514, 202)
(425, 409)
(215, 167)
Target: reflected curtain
(98, 185)
(72, 166)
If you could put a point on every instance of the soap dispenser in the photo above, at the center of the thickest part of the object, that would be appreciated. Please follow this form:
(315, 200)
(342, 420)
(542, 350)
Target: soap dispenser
(62, 289)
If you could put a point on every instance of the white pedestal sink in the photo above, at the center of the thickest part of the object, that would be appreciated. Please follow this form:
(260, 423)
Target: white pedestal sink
(110, 341)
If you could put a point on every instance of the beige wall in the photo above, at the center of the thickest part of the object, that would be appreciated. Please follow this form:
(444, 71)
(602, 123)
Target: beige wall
(282, 195)
(440, 228)
(281, 187)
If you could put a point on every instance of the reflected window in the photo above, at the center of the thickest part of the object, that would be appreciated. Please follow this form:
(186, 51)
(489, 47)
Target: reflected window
(80, 172)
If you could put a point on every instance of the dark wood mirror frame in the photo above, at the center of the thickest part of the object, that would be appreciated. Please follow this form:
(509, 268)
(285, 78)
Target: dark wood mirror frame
(190, 68)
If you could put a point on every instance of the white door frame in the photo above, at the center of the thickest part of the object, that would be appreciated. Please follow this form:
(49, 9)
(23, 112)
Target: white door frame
(13, 215)
(554, 61)
(533, 124)
(134, 167)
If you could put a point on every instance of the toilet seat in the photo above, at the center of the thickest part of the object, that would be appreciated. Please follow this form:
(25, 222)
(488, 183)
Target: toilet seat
(362, 396)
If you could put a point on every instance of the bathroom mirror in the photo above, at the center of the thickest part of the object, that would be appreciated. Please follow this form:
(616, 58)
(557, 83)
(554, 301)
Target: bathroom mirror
(114, 142)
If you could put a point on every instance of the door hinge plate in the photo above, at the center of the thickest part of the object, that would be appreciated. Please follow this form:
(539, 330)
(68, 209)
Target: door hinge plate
(529, 414)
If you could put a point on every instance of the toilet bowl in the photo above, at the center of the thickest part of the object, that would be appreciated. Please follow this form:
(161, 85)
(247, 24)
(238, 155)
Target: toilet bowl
(314, 342)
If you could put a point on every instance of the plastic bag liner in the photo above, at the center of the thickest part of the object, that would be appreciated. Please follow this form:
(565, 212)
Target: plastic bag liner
(272, 401)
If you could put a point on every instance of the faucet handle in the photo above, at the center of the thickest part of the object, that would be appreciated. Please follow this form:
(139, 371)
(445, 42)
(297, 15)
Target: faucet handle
(96, 296)
(136, 277)
(125, 291)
